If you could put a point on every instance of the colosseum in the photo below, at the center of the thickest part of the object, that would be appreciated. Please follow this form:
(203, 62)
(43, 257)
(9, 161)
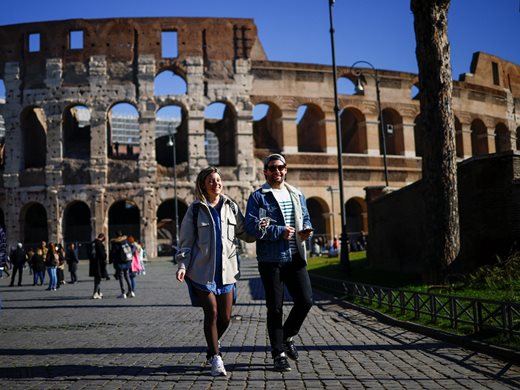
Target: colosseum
(107, 122)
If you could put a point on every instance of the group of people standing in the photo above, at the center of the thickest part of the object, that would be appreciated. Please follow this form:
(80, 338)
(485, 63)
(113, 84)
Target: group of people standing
(51, 258)
(278, 220)
(127, 257)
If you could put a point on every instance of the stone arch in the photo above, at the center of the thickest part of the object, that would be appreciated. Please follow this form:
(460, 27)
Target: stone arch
(353, 131)
(319, 212)
(479, 138)
(33, 124)
(169, 82)
(459, 138)
(268, 127)
(502, 138)
(33, 220)
(170, 119)
(311, 128)
(166, 224)
(356, 215)
(418, 134)
(220, 124)
(76, 132)
(77, 225)
(123, 131)
(394, 136)
(124, 216)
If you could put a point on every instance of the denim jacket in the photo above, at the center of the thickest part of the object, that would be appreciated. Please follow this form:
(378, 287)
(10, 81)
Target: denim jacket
(270, 245)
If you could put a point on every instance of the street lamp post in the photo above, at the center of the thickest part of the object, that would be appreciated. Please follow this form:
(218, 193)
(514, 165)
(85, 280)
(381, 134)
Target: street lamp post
(171, 142)
(359, 87)
(344, 258)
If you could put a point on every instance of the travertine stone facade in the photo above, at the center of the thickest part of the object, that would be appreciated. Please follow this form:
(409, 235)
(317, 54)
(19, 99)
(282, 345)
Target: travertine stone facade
(60, 186)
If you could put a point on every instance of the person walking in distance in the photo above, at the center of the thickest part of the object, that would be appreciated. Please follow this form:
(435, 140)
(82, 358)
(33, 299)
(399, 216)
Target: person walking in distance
(281, 255)
(18, 259)
(207, 258)
(3, 253)
(97, 256)
(52, 260)
(71, 257)
(121, 256)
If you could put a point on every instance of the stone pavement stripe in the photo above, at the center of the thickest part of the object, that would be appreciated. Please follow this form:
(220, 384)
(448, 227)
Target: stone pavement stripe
(66, 340)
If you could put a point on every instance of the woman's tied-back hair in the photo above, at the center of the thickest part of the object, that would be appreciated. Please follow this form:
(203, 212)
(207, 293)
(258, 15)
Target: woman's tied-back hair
(200, 192)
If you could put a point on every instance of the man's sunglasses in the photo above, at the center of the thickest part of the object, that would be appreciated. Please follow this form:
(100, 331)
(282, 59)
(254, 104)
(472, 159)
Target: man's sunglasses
(273, 168)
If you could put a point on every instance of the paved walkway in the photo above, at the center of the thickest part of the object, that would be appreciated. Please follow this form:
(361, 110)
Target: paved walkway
(65, 340)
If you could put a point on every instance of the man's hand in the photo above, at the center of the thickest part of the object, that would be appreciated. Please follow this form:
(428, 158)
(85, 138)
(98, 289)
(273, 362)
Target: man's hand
(288, 233)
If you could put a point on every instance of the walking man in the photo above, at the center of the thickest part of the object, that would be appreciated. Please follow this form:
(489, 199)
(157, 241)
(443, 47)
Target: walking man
(281, 255)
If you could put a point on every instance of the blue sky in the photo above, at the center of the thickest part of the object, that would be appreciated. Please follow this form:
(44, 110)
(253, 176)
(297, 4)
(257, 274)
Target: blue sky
(378, 31)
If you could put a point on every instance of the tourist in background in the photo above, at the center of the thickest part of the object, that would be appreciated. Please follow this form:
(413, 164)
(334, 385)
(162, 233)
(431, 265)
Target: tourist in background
(97, 256)
(121, 257)
(72, 261)
(18, 259)
(38, 267)
(52, 261)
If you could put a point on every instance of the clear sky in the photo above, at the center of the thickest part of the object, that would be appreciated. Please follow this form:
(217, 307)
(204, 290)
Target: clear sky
(378, 31)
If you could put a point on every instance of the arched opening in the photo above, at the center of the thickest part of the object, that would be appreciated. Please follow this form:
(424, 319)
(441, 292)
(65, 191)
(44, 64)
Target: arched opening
(479, 138)
(353, 131)
(123, 132)
(518, 138)
(319, 212)
(166, 225)
(268, 127)
(2, 219)
(169, 83)
(393, 128)
(76, 132)
(124, 216)
(220, 124)
(418, 134)
(415, 92)
(2, 91)
(356, 219)
(171, 130)
(34, 132)
(502, 138)
(34, 222)
(346, 86)
(310, 123)
(77, 227)
(459, 139)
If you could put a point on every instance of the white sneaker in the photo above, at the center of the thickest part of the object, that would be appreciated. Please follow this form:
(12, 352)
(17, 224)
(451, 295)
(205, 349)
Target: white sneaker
(217, 366)
(96, 296)
(123, 296)
(132, 295)
(100, 295)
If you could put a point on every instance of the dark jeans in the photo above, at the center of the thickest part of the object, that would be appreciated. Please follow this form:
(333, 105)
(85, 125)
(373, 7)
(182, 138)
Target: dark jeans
(17, 269)
(97, 284)
(275, 277)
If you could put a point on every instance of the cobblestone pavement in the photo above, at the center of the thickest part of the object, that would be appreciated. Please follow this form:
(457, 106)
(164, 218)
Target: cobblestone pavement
(66, 340)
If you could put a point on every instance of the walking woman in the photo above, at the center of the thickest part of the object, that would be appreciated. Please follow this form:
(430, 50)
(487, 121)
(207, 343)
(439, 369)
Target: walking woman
(207, 259)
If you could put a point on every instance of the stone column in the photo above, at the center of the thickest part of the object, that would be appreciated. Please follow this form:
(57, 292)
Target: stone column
(290, 133)
(408, 138)
(98, 122)
(372, 126)
(331, 139)
(98, 220)
(466, 140)
(149, 221)
(196, 90)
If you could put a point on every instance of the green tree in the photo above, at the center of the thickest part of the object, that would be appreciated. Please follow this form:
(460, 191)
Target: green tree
(439, 165)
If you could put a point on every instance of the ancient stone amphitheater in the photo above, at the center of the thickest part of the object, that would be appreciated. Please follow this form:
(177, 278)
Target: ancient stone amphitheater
(69, 170)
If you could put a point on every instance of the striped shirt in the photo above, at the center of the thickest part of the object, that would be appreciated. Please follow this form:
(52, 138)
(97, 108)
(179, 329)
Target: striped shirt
(283, 198)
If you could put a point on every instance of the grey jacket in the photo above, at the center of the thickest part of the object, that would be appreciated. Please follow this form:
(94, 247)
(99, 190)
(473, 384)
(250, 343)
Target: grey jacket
(197, 249)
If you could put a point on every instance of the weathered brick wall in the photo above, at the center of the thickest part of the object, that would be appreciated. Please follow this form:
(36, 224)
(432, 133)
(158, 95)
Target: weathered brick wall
(489, 211)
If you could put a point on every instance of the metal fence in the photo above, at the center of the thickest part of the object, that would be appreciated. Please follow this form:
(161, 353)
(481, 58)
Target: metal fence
(480, 314)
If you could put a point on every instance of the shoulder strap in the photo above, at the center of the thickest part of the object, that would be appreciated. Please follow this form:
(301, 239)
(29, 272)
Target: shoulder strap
(233, 207)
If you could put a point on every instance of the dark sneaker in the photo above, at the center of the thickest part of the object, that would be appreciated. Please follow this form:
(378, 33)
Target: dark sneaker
(290, 349)
(281, 363)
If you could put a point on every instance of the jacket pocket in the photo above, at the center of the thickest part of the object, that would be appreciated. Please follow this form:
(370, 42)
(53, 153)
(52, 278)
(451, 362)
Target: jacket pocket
(231, 228)
(203, 234)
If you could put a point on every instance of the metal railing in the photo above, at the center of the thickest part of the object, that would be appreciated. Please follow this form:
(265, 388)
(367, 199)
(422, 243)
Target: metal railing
(481, 314)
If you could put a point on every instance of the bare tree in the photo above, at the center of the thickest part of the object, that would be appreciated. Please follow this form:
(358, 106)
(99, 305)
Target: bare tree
(439, 165)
